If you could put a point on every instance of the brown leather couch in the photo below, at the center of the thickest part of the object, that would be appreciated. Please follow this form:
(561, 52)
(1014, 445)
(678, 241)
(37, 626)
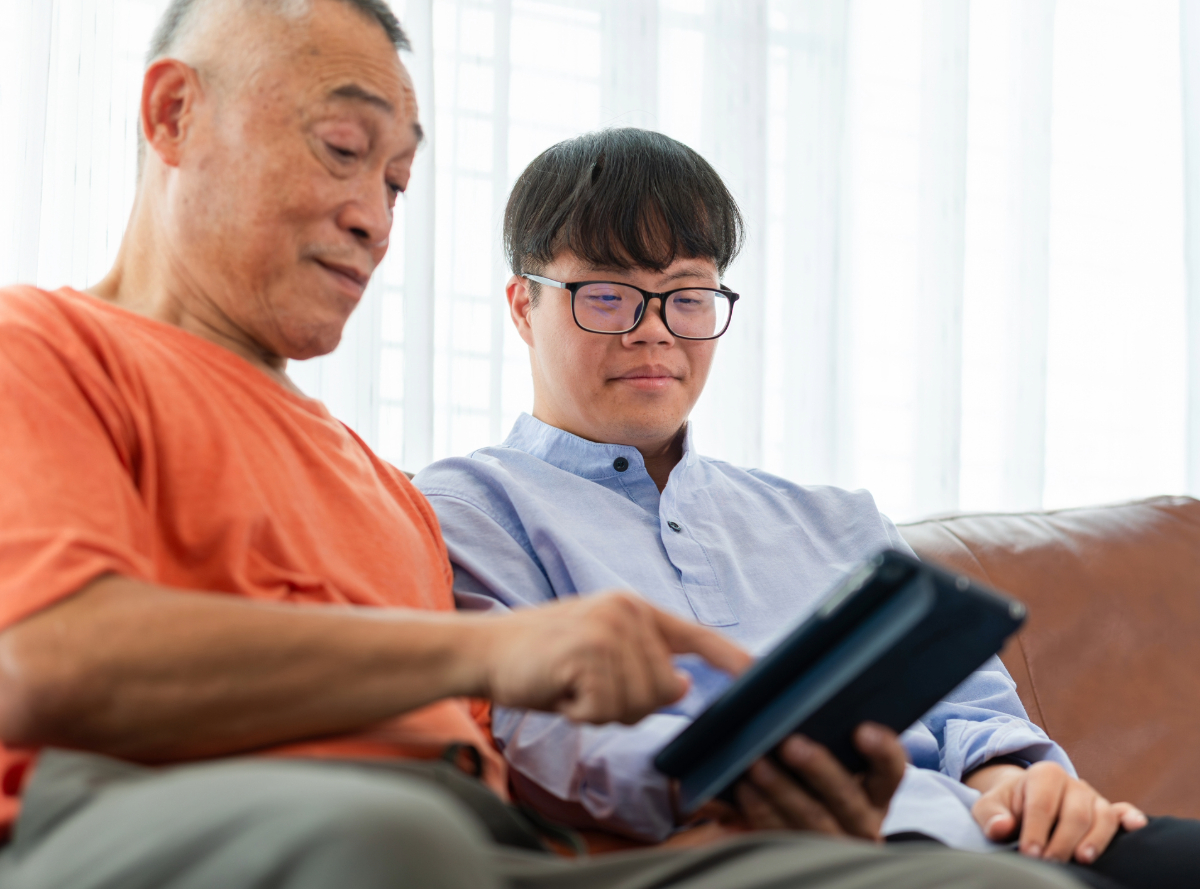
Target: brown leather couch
(1109, 660)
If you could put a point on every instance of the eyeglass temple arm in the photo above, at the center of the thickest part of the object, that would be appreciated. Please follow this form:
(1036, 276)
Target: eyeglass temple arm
(549, 283)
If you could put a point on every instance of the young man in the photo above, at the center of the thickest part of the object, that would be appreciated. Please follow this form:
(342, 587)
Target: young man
(198, 563)
(618, 241)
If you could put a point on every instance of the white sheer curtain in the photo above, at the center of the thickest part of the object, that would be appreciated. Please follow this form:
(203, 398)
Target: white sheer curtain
(966, 284)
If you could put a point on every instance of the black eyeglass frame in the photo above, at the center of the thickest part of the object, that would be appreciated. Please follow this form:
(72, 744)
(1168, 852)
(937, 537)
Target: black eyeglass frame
(573, 288)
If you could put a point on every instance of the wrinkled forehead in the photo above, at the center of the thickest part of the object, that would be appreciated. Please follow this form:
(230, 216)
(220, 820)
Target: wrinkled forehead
(332, 52)
(340, 45)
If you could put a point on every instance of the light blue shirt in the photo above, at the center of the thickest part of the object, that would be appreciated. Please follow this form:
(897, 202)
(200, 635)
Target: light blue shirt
(548, 515)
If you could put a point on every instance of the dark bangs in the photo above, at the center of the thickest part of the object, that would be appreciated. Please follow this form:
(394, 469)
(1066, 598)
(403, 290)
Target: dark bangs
(622, 199)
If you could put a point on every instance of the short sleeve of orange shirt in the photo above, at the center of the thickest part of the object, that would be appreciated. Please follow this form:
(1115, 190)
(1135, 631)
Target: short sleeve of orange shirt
(132, 447)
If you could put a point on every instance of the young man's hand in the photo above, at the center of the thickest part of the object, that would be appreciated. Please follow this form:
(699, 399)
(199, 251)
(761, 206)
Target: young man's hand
(600, 658)
(1059, 817)
(826, 798)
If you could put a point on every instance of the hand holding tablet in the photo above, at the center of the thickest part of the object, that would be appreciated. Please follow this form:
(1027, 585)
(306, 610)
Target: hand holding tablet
(885, 646)
(801, 786)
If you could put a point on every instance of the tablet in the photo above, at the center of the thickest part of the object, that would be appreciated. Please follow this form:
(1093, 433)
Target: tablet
(884, 646)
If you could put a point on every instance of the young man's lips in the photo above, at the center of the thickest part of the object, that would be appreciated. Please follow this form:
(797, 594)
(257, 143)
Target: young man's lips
(647, 379)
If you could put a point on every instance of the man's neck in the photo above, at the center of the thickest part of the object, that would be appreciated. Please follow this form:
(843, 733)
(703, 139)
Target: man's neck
(660, 457)
(147, 279)
(660, 460)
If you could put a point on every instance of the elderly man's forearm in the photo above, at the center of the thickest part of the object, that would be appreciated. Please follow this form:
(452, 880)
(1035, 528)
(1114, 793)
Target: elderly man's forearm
(155, 674)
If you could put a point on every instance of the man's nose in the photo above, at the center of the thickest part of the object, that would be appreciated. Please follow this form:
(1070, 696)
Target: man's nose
(652, 329)
(369, 217)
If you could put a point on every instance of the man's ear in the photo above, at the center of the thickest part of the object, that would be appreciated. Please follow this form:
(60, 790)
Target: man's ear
(170, 92)
(520, 306)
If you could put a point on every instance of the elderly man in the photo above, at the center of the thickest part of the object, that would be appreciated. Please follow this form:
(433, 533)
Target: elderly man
(196, 561)
(618, 241)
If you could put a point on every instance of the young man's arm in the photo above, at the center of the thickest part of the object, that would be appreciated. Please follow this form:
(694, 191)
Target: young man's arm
(604, 776)
(155, 674)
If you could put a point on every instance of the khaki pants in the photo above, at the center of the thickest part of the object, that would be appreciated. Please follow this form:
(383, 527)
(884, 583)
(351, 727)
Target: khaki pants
(89, 822)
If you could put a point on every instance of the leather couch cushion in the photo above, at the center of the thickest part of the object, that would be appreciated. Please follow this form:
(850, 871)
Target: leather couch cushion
(1109, 660)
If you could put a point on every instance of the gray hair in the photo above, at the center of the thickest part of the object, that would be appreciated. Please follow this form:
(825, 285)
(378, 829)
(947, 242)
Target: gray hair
(181, 14)
(178, 15)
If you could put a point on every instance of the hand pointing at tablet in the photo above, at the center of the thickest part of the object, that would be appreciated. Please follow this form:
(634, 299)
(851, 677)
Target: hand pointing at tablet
(808, 789)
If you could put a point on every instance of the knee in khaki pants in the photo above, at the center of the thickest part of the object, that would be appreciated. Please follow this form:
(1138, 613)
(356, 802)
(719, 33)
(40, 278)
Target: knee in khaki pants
(91, 822)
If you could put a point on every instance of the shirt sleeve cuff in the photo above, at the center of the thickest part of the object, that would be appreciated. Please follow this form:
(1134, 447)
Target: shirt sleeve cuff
(969, 745)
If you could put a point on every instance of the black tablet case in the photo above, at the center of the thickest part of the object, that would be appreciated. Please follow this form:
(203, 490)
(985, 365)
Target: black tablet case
(887, 644)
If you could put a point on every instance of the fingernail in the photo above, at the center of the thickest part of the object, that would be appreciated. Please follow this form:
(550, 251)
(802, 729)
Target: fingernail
(1034, 851)
(1138, 819)
(992, 822)
(1087, 854)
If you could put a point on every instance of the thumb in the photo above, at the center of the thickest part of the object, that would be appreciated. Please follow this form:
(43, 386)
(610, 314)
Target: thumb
(994, 814)
(683, 637)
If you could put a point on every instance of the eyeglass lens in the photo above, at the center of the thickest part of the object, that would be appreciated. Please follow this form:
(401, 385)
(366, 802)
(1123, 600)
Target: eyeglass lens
(615, 308)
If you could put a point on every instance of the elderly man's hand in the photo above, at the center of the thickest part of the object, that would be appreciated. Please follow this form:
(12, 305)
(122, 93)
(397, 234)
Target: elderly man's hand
(602, 658)
(1059, 817)
(826, 798)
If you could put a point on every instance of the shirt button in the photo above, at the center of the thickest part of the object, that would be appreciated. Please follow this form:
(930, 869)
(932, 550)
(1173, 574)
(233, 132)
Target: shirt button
(620, 464)
(674, 526)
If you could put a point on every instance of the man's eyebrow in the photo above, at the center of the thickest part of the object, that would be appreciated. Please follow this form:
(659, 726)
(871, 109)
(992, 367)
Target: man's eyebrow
(358, 94)
(689, 272)
(685, 272)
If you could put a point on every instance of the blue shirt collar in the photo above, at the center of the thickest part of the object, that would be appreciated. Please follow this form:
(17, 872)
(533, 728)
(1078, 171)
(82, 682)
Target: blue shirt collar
(578, 456)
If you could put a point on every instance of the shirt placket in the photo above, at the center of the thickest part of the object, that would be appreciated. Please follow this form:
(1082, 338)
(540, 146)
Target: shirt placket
(700, 585)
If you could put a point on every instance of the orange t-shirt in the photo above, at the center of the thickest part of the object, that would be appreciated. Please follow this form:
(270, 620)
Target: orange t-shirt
(129, 446)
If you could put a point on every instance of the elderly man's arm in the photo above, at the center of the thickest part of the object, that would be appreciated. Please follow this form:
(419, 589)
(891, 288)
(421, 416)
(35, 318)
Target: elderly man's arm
(157, 674)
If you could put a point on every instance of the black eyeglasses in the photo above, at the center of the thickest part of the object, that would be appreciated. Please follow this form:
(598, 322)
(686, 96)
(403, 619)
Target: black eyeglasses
(690, 313)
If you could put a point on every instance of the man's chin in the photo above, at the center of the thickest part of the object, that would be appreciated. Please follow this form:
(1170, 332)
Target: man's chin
(643, 430)
(311, 340)
(313, 327)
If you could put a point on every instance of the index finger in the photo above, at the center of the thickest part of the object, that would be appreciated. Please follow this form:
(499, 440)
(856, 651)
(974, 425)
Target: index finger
(1043, 799)
(683, 637)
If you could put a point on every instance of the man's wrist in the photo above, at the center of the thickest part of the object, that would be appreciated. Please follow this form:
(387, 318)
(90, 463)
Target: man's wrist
(986, 776)
(473, 642)
(457, 649)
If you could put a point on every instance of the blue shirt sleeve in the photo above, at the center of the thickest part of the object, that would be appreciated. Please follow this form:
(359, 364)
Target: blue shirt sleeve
(981, 719)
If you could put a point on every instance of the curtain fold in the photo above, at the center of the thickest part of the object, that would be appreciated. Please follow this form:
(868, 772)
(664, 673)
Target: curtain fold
(733, 139)
(24, 86)
(1189, 32)
(1007, 272)
(415, 445)
(941, 221)
(805, 278)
